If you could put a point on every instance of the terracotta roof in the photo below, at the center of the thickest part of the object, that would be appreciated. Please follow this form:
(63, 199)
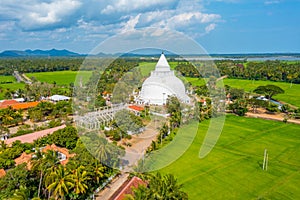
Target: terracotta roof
(8, 102)
(24, 158)
(2, 173)
(64, 151)
(126, 188)
(18, 105)
(136, 108)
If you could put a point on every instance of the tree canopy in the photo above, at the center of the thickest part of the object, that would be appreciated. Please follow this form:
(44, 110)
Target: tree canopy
(269, 90)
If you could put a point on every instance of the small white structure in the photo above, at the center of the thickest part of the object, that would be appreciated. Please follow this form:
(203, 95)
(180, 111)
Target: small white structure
(57, 98)
(161, 84)
(20, 100)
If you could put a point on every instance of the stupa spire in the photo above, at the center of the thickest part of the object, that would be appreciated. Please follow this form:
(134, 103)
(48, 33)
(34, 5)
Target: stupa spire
(162, 64)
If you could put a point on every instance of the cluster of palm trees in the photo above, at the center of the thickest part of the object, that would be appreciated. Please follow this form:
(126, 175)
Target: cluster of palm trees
(159, 187)
(57, 181)
(9, 116)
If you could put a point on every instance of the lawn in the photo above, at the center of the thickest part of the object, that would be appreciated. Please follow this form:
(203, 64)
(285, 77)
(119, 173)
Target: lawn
(61, 77)
(233, 169)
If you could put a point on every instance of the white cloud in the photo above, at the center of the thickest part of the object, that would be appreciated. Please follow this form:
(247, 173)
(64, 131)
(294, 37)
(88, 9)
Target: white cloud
(210, 27)
(85, 20)
(131, 23)
(32, 14)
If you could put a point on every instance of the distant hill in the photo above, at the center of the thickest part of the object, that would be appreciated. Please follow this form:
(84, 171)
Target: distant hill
(39, 53)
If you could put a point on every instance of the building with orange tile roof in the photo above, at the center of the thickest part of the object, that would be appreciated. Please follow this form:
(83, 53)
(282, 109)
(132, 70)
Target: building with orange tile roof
(24, 158)
(135, 109)
(126, 188)
(16, 105)
(2, 173)
(7, 103)
(63, 153)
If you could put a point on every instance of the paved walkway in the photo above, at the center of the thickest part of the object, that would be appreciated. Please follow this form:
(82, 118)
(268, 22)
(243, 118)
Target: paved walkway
(140, 143)
(111, 188)
(33, 136)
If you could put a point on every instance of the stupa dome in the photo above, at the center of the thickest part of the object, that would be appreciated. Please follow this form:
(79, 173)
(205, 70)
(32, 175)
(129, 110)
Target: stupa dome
(161, 84)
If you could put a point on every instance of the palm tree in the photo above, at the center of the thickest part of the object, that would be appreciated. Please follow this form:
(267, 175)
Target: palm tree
(60, 182)
(102, 149)
(44, 162)
(80, 177)
(99, 172)
(159, 187)
(20, 194)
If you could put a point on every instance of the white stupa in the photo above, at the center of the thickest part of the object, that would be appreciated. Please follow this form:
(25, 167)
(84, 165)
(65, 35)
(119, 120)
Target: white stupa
(161, 84)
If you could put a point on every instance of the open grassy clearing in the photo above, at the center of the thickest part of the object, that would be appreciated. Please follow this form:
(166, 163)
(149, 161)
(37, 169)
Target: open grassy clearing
(61, 77)
(233, 169)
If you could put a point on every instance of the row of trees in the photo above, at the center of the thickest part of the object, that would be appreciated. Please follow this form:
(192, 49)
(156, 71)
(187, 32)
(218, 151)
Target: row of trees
(29, 65)
(264, 70)
(267, 70)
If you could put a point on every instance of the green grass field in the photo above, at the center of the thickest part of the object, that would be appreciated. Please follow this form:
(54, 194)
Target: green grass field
(233, 169)
(291, 95)
(61, 77)
(147, 67)
(7, 79)
(12, 86)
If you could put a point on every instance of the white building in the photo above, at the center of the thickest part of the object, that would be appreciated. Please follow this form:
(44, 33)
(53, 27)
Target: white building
(161, 84)
(57, 98)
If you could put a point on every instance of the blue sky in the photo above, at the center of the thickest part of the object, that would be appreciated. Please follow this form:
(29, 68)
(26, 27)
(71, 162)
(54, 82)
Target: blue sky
(220, 26)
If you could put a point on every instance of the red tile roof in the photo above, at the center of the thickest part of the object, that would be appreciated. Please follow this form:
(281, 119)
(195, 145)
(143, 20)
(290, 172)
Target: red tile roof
(126, 188)
(18, 105)
(2, 173)
(8, 102)
(24, 158)
(136, 108)
(64, 151)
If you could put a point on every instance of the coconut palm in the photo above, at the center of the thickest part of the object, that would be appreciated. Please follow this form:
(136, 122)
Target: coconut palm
(159, 187)
(80, 177)
(99, 172)
(60, 182)
(44, 162)
(20, 194)
(103, 149)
